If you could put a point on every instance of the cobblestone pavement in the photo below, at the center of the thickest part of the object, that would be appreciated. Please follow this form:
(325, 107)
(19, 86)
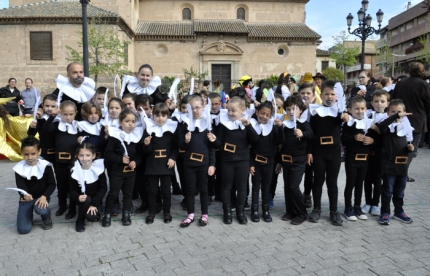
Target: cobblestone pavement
(277, 248)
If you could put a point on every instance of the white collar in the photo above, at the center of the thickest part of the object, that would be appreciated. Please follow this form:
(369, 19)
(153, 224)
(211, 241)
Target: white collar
(152, 127)
(28, 171)
(378, 117)
(363, 124)
(132, 83)
(231, 125)
(93, 129)
(402, 128)
(110, 122)
(264, 129)
(324, 111)
(87, 176)
(203, 123)
(135, 136)
(178, 115)
(71, 128)
(45, 117)
(81, 94)
(291, 124)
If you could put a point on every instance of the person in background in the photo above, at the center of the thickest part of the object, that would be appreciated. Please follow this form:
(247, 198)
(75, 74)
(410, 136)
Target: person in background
(10, 91)
(29, 96)
(206, 84)
(318, 78)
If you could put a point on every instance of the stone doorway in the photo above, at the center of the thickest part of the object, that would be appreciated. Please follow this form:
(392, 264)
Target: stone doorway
(222, 72)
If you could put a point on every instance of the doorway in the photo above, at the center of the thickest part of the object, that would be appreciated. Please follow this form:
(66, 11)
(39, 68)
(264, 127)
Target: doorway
(222, 72)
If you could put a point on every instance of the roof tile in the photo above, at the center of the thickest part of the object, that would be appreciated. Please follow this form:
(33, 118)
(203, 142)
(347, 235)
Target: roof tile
(182, 28)
(220, 26)
(281, 30)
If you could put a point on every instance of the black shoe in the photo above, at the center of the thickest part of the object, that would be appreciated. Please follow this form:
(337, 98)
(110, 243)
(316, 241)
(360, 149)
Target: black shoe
(126, 220)
(246, 207)
(61, 210)
(106, 220)
(227, 217)
(410, 179)
(336, 219)
(150, 219)
(79, 228)
(288, 216)
(209, 200)
(47, 223)
(240, 215)
(297, 220)
(266, 214)
(167, 218)
(308, 201)
(142, 209)
(255, 217)
(315, 215)
(71, 214)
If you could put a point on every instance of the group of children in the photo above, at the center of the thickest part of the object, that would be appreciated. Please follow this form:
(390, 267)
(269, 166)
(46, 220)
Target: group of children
(137, 141)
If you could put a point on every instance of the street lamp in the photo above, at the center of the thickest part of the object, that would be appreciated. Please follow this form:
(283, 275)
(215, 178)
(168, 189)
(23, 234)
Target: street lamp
(364, 29)
(84, 4)
(392, 69)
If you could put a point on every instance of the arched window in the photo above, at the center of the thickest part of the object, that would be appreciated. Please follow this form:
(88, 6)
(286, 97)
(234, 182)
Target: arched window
(241, 13)
(186, 14)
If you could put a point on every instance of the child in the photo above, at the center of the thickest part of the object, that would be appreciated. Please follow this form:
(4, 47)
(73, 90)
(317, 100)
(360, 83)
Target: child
(129, 101)
(373, 179)
(65, 130)
(144, 102)
(36, 177)
(115, 107)
(357, 138)
(160, 146)
(292, 158)
(263, 157)
(89, 128)
(325, 157)
(123, 153)
(88, 184)
(235, 136)
(99, 97)
(396, 133)
(42, 126)
(195, 141)
(215, 181)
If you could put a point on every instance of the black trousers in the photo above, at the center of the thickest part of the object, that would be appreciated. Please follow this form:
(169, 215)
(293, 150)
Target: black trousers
(373, 181)
(215, 181)
(153, 189)
(140, 183)
(326, 169)
(273, 181)
(235, 175)
(62, 173)
(293, 175)
(309, 179)
(196, 178)
(83, 209)
(355, 173)
(261, 179)
(124, 183)
(180, 168)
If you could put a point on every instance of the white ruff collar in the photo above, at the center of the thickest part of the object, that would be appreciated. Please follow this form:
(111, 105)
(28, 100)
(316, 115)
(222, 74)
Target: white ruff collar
(87, 176)
(363, 124)
(403, 128)
(133, 86)
(28, 171)
(291, 124)
(231, 125)
(110, 122)
(203, 123)
(264, 129)
(66, 127)
(93, 129)
(178, 115)
(82, 94)
(152, 127)
(323, 111)
(45, 117)
(128, 138)
(378, 117)
(216, 118)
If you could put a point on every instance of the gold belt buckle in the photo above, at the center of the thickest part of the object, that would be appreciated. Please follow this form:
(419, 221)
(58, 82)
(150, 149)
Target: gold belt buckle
(64, 155)
(160, 153)
(326, 140)
(261, 159)
(401, 160)
(361, 157)
(50, 151)
(230, 147)
(287, 158)
(127, 169)
(197, 157)
(181, 151)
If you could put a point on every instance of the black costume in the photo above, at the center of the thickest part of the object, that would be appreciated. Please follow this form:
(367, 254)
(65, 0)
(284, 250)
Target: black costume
(12, 105)
(47, 140)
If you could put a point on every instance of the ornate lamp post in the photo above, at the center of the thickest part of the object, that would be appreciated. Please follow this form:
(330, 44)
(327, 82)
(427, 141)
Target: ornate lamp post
(364, 29)
(84, 4)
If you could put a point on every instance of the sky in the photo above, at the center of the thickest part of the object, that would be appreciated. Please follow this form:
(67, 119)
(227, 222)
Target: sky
(329, 19)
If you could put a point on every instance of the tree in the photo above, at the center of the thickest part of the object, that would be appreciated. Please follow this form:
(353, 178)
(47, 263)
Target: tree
(344, 56)
(106, 52)
(193, 73)
(332, 73)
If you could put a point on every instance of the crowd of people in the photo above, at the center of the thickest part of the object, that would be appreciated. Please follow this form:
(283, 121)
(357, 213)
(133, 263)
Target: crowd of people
(93, 146)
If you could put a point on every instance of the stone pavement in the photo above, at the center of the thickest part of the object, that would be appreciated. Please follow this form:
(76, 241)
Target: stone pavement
(277, 248)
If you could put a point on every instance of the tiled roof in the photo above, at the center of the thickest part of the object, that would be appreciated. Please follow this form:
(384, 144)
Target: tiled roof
(54, 9)
(182, 28)
(281, 31)
(322, 53)
(220, 26)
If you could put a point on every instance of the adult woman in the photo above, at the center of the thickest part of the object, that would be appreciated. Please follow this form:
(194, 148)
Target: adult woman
(10, 91)
(363, 89)
(318, 78)
(282, 88)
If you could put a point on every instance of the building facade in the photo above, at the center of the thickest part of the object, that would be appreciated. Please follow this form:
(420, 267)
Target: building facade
(323, 60)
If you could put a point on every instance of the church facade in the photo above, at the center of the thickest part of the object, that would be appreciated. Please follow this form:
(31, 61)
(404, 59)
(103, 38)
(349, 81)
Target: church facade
(225, 39)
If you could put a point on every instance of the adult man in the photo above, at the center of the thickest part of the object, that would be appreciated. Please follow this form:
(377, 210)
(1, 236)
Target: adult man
(29, 96)
(415, 93)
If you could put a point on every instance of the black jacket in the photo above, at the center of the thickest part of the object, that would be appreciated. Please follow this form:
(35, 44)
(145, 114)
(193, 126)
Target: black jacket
(11, 106)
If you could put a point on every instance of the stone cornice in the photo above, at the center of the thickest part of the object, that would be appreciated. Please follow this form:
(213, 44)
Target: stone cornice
(165, 38)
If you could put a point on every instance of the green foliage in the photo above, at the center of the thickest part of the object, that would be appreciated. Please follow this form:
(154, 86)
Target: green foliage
(344, 56)
(272, 80)
(424, 52)
(193, 73)
(106, 52)
(332, 73)
(168, 80)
